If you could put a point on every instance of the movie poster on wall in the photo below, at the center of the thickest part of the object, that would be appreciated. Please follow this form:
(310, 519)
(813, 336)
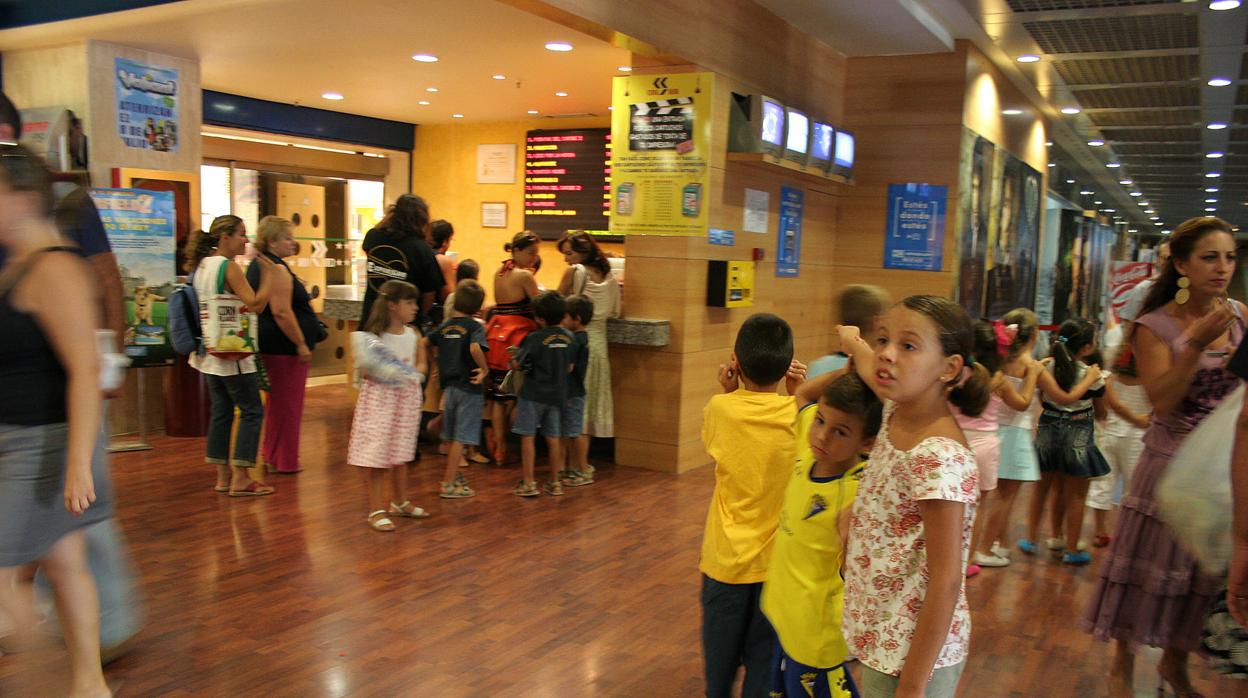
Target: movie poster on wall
(974, 195)
(1013, 239)
(147, 106)
(140, 226)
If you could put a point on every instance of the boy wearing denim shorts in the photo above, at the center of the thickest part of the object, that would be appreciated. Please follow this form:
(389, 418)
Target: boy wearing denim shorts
(578, 474)
(546, 358)
(460, 344)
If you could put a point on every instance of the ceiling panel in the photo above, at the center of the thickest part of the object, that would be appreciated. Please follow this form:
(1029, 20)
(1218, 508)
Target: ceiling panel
(1152, 134)
(1104, 34)
(1177, 117)
(1128, 150)
(1101, 71)
(1137, 97)
(1048, 5)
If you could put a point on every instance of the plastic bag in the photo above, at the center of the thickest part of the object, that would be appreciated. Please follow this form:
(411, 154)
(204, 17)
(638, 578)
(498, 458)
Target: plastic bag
(1194, 494)
(382, 365)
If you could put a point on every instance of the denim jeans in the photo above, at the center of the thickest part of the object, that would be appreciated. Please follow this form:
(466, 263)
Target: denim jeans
(735, 632)
(226, 393)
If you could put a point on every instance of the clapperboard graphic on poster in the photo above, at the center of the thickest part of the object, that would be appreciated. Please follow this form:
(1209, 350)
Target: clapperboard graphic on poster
(664, 124)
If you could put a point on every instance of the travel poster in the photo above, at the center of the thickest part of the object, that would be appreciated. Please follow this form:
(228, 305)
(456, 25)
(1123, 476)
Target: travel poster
(147, 106)
(974, 196)
(914, 233)
(661, 143)
(140, 227)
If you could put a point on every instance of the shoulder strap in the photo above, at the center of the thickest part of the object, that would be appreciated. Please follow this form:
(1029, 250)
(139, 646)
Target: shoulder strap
(221, 268)
(12, 276)
(583, 273)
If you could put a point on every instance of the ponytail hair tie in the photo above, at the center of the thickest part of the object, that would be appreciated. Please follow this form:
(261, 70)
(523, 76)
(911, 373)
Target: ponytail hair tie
(1061, 339)
(1006, 334)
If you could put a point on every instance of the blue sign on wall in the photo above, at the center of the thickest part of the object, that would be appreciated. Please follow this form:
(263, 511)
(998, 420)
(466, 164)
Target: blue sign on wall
(717, 236)
(915, 233)
(789, 240)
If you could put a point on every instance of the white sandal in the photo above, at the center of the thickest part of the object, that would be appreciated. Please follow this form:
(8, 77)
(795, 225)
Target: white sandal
(402, 510)
(378, 521)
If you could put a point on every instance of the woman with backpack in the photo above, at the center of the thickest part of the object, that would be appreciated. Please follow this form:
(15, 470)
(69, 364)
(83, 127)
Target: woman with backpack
(232, 383)
(511, 320)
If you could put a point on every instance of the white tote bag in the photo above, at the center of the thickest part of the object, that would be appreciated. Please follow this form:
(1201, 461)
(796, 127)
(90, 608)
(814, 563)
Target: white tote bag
(229, 330)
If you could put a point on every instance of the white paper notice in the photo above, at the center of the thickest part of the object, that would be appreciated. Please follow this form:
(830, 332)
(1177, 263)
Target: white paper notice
(755, 218)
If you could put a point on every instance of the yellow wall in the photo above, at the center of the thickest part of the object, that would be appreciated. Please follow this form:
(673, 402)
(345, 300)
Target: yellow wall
(444, 172)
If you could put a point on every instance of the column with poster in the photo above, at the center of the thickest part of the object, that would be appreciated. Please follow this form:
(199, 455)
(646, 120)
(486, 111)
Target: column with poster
(147, 106)
(661, 139)
(140, 226)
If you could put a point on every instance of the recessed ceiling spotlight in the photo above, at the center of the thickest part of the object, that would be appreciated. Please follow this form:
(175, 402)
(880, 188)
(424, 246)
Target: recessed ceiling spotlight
(1137, 193)
(1049, 143)
(1011, 112)
(1158, 223)
(561, 94)
(1144, 204)
(1149, 212)
(1132, 230)
(335, 96)
(558, 46)
(1071, 110)
(1219, 82)
(1211, 189)
(1223, 4)
(532, 111)
(425, 58)
(610, 108)
(1113, 165)
(499, 77)
(1155, 218)
(1111, 210)
(1213, 175)
(457, 116)
(1086, 192)
(625, 69)
(1211, 209)
(1216, 126)
(1211, 201)
(1028, 58)
(1070, 181)
(1098, 202)
(1125, 182)
(424, 102)
(1214, 155)
(1165, 232)
(431, 89)
(1052, 164)
(1096, 142)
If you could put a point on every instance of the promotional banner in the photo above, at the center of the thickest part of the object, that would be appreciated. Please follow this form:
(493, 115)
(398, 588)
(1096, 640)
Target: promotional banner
(1014, 238)
(147, 106)
(915, 231)
(789, 240)
(1123, 277)
(140, 226)
(975, 192)
(661, 139)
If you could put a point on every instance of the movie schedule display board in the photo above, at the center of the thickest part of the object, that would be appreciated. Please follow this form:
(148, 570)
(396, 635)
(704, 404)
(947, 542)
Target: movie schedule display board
(661, 131)
(567, 181)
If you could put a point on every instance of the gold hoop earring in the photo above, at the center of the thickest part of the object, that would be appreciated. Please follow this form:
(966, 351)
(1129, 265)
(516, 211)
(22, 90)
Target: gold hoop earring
(1181, 296)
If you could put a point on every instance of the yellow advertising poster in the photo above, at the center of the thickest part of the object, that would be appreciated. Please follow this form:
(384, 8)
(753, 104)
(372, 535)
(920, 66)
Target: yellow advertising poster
(660, 150)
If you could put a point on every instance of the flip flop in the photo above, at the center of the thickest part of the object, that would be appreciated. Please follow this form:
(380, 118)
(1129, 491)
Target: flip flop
(253, 489)
(220, 489)
(478, 458)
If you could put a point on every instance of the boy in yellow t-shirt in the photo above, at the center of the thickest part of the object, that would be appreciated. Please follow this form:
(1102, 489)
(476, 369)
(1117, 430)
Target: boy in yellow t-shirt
(804, 593)
(749, 432)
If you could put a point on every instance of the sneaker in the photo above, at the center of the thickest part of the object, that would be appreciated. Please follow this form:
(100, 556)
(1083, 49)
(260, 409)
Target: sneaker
(1027, 546)
(992, 560)
(972, 570)
(1078, 558)
(456, 490)
(1000, 551)
(526, 488)
(553, 488)
(1055, 543)
(590, 470)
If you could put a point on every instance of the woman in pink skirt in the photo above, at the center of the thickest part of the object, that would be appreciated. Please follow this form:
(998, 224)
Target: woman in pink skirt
(387, 417)
(1150, 591)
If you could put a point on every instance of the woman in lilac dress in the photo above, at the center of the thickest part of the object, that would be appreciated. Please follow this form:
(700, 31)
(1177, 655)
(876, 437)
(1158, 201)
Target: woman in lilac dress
(1150, 591)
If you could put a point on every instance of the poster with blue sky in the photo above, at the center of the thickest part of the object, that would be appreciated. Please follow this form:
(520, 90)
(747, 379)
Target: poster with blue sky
(147, 106)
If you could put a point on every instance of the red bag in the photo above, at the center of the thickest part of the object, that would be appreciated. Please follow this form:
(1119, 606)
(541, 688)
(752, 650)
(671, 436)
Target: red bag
(504, 332)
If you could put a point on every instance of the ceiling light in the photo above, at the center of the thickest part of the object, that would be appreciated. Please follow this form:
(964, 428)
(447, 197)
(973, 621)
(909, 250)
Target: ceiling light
(1211, 175)
(1086, 192)
(424, 102)
(457, 116)
(1028, 58)
(1098, 202)
(625, 69)
(1165, 232)
(431, 89)
(1149, 212)
(558, 46)
(1219, 82)
(1211, 201)
(610, 108)
(1211, 189)
(1132, 230)
(1154, 218)
(1223, 4)
(1011, 112)
(1113, 165)
(1070, 181)
(1049, 143)
(1158, 223)
(425, 58)
(1137, 193)
(1096, 142)
(1052, 164)
(532, 111)
(335, 96)
(1214, 154)
(1125, 182)
(1143, 203)
(1111, 210)
(1071, 110)
(1211, 209)
(1216, 126)
(499, 77)
(561, 94)
(327, 150)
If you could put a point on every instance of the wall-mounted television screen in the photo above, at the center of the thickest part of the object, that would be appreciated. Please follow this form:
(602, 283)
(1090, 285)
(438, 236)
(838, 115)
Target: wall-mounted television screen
(756, 125)
(821, 135)
(797, 135)
(843, 154)
(773, 121)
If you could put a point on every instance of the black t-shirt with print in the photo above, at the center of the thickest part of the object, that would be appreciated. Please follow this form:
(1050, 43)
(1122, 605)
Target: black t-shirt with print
(545, 356)
(454, 339)
(401, 256)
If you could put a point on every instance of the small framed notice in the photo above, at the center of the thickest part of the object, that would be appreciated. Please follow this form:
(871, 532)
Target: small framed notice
(496, 163)
(494, 214)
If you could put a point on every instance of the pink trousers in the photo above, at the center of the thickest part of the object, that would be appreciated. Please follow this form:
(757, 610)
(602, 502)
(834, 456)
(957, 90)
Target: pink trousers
(284, 413)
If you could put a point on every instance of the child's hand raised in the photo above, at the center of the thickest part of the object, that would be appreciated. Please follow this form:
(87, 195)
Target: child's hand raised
(728, 376)
(795, 377)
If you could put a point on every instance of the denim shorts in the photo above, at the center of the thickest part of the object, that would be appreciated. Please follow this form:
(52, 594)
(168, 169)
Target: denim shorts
(573, 419)
(461, 416)
(532, 415)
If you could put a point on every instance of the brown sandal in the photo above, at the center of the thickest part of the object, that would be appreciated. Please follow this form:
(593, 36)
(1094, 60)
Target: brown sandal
(253, 489)
(378, 521)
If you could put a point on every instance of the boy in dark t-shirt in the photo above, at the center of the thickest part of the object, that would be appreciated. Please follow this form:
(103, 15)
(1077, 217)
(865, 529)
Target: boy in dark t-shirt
(580, 312)
(545, 357)
(460, 344)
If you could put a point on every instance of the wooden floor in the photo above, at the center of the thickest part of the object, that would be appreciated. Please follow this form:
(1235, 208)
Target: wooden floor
(591, 594)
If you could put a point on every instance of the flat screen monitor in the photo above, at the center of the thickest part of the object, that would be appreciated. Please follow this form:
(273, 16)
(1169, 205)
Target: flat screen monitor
(796, 136)
(756, 125)
(821, 136)
(843, 154)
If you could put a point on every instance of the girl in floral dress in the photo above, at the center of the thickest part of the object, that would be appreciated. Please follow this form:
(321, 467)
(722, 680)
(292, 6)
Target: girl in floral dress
(906, 616)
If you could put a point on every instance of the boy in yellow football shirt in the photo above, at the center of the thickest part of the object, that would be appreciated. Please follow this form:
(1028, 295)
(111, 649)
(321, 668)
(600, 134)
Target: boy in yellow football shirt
(804, 593)
(749, 432)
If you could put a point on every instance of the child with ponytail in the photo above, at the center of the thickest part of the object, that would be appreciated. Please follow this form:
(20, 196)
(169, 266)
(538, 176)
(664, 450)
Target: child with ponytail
(1065, 439)
(906, 616)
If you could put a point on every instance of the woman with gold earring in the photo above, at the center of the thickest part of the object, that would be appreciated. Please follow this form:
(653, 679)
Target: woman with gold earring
(1150, 591)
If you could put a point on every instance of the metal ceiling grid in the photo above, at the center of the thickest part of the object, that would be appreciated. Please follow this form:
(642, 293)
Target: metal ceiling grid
(1152, 134)
(1178, 117)
(1110, 34)
(1050, 5)
(1125, 150)
(1127, 97)
(1107, 71)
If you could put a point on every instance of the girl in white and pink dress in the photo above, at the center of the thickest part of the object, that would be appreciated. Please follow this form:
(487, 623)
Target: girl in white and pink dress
(906, 617)
(387, 417)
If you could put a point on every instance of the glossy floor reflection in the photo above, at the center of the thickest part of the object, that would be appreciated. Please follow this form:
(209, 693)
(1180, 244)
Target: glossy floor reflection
(592, 593)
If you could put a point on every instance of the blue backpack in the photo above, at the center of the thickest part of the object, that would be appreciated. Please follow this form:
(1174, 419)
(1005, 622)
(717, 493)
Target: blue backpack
(184, 329)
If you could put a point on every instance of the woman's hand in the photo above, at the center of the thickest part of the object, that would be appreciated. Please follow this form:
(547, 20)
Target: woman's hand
(305, 354)
(795, 377)
(79, 489)
(1214, 324)
(267, 265)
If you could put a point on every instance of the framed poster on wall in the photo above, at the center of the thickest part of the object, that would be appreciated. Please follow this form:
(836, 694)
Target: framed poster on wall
(494, 214)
